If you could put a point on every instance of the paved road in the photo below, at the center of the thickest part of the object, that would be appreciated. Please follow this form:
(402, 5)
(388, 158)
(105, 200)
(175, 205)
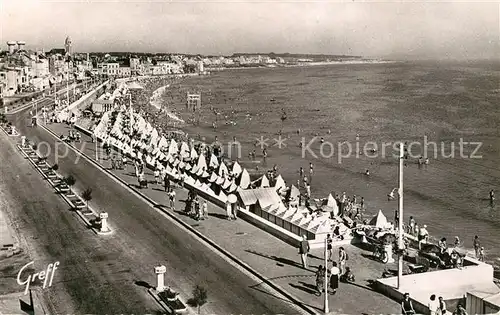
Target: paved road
(99, 272)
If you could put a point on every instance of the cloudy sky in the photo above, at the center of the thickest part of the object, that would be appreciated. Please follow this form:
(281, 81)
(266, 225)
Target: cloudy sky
(456, 30)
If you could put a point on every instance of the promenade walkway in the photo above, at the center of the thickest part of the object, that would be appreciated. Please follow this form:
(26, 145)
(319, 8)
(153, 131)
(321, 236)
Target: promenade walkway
(271, 257)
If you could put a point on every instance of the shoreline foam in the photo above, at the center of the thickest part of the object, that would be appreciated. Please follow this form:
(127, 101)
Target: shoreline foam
(155, 101)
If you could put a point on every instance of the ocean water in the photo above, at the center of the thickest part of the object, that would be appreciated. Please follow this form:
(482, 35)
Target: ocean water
(383, 103)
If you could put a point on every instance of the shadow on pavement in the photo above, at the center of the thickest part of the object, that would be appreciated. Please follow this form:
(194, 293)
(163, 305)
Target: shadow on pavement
(308, 285)
(262, 290)
(143, 284)
(285, 261)
(218, 215)
(303, 288)
(371, 257)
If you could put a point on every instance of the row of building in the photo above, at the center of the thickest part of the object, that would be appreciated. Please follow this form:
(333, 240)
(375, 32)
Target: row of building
(23, 70)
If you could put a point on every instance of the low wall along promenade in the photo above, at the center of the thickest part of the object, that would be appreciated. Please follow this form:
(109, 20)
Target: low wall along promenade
(451, 284)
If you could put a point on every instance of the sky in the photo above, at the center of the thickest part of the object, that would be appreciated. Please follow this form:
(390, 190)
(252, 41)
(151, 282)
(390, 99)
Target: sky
(412, 30)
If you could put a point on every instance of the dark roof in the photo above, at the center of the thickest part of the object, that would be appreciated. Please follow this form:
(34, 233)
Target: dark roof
(54, 51)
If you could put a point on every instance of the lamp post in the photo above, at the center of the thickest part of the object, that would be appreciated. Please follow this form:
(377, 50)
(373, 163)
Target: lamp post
(326, 277)
(400, 223)
(96, 154)
(67, 83)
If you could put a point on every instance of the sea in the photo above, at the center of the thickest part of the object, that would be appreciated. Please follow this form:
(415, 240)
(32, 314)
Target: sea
(369, 108)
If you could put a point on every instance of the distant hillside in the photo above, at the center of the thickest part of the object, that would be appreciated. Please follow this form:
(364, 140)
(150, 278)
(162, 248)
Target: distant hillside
(299, 56)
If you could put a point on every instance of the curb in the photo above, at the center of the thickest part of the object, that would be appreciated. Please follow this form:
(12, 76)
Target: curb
(63, 194)
(155, 295)
(186, 226)
(17, 134)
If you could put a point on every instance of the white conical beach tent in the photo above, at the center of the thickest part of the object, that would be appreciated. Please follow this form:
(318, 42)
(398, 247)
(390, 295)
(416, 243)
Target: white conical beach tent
(331, 205)
(379, 220)
(184, 151)
(173, 148)
(194, 154)
(213, 177)
(264, 182)
(280, 183)
(294, 193)
(223, 171)
(213, 161)
(236, 169)
(163, 143)
(202, 163)
(245, 179)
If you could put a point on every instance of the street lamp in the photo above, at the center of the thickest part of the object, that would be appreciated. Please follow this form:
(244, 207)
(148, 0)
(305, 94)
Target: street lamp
(326, 309)
(400, 223)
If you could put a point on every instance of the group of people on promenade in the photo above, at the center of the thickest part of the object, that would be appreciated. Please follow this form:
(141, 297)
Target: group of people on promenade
(338, 271)
(423, 238)
(436, 306)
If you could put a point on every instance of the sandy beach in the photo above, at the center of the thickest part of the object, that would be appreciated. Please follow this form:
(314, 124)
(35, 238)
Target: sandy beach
(382, 103)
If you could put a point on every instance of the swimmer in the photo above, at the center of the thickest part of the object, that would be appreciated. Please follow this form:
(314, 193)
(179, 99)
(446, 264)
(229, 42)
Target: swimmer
(367, 173)
(391, 196)
(322, 140)
(357, 137)
(492, 195)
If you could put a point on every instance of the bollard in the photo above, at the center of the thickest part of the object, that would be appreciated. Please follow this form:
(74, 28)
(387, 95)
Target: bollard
(104, 221)
(160, 278)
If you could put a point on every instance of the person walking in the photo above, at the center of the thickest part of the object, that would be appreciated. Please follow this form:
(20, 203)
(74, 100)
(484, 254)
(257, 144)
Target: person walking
(433, 305)
(304, 249)
(407, 305)
(477, 246)
(166, 182)
(342, 260)
(311, 171)
(320, 280)
(228, 210)
(171, 196)
(234, 211)
(308, 190)
(481, 254)
(205, 210)
(442, 306)
(334, 278)
(329, 241)
(157, 176)
(460, 310)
